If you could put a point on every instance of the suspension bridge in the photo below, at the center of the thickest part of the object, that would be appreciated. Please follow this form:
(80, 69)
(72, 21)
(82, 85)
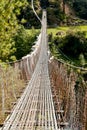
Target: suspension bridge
(35, 109)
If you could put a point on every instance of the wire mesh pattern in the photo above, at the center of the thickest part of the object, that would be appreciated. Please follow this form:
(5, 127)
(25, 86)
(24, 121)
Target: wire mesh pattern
(35, 109)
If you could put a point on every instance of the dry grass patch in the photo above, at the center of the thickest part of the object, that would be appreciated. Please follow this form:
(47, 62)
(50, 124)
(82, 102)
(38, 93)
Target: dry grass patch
(11, 88)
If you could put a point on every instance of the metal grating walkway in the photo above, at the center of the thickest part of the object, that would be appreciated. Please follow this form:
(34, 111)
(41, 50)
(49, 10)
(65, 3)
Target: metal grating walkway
(35, 109)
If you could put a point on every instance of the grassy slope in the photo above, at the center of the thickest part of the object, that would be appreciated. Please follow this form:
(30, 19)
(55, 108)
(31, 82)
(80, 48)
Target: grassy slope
(65, 29)
(30, 31)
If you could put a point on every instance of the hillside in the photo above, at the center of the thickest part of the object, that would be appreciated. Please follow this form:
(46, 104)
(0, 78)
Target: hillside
(80, 7)
(18, 13)
(65, 12)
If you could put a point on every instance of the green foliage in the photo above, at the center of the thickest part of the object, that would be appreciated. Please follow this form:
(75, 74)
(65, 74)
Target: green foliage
(9, 10)
(71, 46)
(24, 41)
(55, 15)
(55, 12)
(44, 3)
(80, 7)
(29, 15)
(82, 59)
(66, 29)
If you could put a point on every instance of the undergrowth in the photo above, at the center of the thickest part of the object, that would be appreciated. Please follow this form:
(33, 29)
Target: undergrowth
(11, 86)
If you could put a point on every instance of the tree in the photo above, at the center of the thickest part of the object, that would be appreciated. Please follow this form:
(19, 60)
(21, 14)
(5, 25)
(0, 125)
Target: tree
(79, 6)
(73, 45)
(64, 6)
(24, 42)
(44, 3)
(9, 10)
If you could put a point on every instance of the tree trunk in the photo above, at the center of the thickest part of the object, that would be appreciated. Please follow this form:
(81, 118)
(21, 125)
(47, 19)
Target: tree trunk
(64, 6)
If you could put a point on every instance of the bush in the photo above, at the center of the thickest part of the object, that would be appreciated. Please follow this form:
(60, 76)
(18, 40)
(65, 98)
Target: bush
(24, 42)
(73, 44)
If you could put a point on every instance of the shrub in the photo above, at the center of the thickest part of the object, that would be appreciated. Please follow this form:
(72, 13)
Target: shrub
(73, 44)
(24, 41)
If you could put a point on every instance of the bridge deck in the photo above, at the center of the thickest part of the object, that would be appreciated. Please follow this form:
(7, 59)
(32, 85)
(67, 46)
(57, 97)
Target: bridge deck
(35, 109)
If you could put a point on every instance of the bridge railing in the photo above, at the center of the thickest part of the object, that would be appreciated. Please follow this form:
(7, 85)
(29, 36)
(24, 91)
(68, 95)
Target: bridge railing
(27, 64)
(13, 79)
(73, 104)
(62, 82)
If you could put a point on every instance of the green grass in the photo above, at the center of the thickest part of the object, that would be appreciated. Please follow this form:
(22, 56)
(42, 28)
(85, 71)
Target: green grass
(59, 29)
(31, 31)
(67, 28)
